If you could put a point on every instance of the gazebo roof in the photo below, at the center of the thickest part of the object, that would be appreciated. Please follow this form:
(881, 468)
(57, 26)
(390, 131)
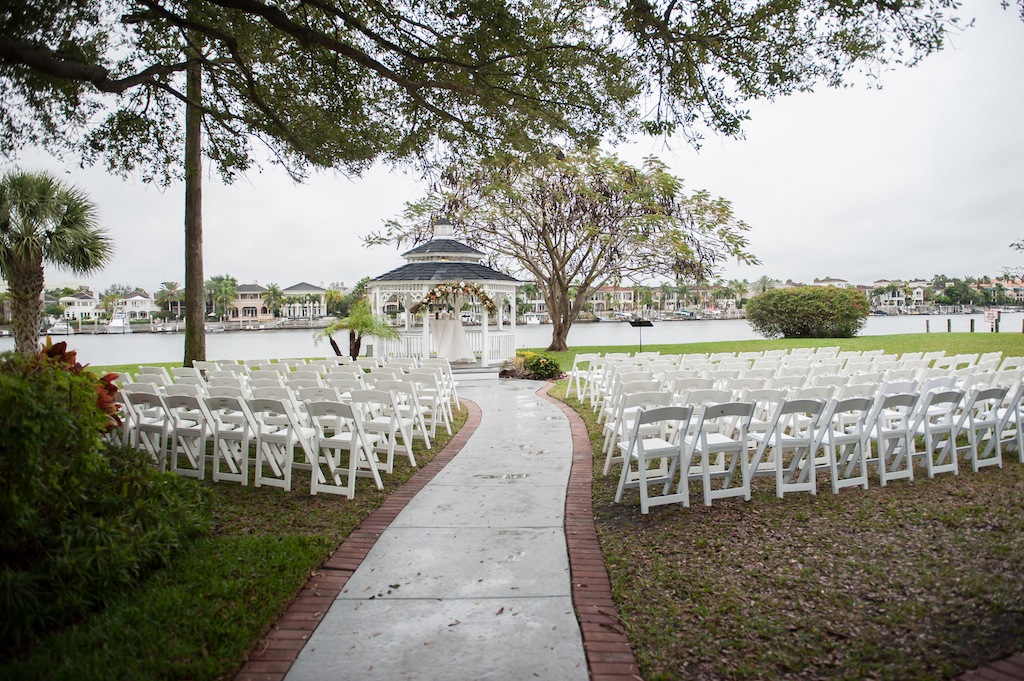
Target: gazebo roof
(444, 246)
(442, 270)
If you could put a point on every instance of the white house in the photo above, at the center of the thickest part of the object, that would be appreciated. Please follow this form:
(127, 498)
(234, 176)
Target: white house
(139, 305)
(304, 301)
(81, 306)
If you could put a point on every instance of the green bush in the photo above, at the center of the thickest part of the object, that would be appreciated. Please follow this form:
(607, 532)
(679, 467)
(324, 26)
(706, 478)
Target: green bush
(808, 312)
(79, 519)
(541, 367)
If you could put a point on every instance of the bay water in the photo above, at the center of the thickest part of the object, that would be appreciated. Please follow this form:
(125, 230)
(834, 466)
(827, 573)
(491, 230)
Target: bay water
(141, 348)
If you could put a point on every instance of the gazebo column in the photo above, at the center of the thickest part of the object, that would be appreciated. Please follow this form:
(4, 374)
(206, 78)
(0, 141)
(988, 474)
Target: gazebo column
(405, 311)
(485, 350)
(501, 304)
(426, 331)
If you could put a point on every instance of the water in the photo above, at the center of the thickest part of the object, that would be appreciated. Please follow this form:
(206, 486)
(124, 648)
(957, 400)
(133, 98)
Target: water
(142, 348)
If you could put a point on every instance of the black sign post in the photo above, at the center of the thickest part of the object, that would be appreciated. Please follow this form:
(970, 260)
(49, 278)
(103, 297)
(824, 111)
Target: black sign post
(640, 324)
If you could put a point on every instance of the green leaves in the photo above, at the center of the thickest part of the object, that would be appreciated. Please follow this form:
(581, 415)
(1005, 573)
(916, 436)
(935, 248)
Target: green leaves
(808, 312)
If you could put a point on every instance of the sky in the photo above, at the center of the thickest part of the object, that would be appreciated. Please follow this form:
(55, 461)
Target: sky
(924, 176)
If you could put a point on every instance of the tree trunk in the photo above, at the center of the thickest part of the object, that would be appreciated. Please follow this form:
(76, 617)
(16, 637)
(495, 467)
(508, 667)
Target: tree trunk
(334, 346)
(26, 287)
(355, 342)
(195, 300)
(561, 319)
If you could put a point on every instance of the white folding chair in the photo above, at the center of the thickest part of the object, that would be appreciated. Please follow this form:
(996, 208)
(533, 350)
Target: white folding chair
(937, 421)
(620, 425)
(714, 453)
(381, 416)
(232, 433)
(656, 436)
(891, 431)
(152, 425)
(337, 430)
(846, 443)
(408, 403)
(796, 431)
(983, 426)
(277, 433)
(190, 432)
(578, 372)
(1010, 415)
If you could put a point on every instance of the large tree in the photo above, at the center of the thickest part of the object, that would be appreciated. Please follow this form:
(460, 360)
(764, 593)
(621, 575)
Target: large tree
(331, 84)
(43, 220)
(574, 221)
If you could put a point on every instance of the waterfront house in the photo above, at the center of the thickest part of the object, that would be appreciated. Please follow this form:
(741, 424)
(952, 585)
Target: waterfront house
(81, 306)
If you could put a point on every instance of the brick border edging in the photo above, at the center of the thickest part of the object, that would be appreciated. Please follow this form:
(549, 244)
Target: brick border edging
(282, 644)
(609, 655)
(1008, 669)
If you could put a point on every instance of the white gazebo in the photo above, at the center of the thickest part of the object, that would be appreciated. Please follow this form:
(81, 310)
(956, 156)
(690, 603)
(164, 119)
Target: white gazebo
(439, 278)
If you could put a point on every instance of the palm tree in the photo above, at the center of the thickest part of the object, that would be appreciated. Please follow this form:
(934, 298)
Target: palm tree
(222, 289)
(43, 220)
(764, 284)
(360, 322)
(110, 302)
(666, 291)
(274, 298)
(170, 293)
(738, 288)
(683, 293)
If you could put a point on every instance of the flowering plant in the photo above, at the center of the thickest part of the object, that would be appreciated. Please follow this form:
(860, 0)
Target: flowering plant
(446, 292)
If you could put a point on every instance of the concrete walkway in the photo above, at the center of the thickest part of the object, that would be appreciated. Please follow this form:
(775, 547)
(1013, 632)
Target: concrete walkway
(471, 579)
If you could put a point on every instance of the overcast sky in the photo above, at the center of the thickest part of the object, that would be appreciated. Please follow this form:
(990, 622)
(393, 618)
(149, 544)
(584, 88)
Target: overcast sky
(922, 177)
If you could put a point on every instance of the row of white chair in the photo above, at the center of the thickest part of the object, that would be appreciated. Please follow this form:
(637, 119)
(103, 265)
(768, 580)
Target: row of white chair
(178, 427)
(669, 445)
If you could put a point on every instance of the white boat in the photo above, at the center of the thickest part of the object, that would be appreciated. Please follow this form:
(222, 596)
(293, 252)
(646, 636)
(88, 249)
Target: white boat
(531, 318)
(61, 328)
(119, 323)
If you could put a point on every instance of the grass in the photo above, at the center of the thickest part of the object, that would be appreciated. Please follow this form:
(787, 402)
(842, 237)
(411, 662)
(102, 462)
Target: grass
(1010, 344)
(917, 580)
(200, 617)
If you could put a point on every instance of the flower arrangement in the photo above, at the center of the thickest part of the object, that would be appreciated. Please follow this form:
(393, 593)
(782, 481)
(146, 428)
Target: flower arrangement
(445, 294)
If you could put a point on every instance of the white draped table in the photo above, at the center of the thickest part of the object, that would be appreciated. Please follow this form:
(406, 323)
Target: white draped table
(450, 340)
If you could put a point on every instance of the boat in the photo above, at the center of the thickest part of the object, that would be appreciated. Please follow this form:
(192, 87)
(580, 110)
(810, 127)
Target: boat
(119, 323)
(61, 328)
(531, 318)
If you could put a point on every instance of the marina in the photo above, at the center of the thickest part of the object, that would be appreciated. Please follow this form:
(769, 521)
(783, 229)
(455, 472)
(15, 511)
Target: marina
(135, 348)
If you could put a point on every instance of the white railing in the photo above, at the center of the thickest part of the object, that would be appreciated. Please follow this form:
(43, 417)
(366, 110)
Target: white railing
(501, 345)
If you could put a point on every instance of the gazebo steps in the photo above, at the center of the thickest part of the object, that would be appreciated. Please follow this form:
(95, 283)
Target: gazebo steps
(472, 371)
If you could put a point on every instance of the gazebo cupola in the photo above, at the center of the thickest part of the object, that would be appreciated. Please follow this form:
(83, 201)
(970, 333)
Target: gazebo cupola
(446, 274)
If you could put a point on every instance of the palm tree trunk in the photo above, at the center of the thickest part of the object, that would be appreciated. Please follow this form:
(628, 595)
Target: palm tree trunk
(26, 287)
(355, 342)
(195, 300)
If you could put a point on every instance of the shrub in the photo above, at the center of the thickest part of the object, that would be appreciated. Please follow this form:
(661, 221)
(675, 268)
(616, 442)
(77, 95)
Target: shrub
(541, 367)
(79, 519)
(808, 312)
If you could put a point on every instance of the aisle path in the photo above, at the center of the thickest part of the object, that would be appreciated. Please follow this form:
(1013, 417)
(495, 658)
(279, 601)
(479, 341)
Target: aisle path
(464, 571)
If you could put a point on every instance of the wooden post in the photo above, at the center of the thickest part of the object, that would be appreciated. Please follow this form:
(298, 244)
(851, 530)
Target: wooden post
(972, 326)
(927, 326)
(949, 326)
